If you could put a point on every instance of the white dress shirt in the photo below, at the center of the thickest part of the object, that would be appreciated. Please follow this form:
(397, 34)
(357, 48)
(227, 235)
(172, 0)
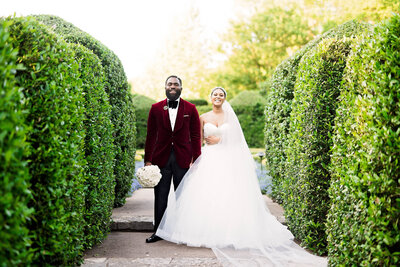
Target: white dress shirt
(172, 114)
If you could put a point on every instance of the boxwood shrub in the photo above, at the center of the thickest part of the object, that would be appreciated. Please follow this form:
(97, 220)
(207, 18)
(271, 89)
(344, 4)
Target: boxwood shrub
(142, 107)
(123, 112)
(55, 115)
(363, 221)
(249, 108)
(278, 107)
(198, 102)
(14, 175)
(306, 199)
(99, 147)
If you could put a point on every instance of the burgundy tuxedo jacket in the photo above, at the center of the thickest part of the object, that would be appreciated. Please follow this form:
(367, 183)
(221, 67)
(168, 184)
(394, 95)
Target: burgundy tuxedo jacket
(185, 138)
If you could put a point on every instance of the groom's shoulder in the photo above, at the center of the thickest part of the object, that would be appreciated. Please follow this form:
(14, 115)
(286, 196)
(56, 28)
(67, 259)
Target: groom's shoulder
(158, 104)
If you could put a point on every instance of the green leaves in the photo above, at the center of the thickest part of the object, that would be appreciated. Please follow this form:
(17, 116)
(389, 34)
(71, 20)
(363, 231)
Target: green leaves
(257, 46)
(14, 176)
(300, 115)
(122, 109)
(55, 150)
(58, 187)
(365, 154)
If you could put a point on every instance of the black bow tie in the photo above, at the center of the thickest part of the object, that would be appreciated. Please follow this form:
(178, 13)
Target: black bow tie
(172, 104)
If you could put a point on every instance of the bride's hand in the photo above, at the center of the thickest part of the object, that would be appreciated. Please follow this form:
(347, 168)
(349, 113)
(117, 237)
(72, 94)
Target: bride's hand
(212, 140)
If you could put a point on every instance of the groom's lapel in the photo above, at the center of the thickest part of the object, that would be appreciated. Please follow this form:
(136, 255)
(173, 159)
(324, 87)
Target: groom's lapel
(179, 116)
(167, 122)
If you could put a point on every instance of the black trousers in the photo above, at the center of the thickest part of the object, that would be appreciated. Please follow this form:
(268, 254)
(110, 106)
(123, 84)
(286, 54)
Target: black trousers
(169, 172)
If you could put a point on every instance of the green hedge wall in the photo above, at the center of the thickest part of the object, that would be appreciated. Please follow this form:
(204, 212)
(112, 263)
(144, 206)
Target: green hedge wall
(278, 107)
(305, 194)
(363, 222)
(249, 108)
(142, 105)
(14, 176)
(55, 115)
(123, 112)
(99, 147)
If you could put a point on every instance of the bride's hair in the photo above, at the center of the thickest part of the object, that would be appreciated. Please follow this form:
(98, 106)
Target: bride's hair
(216, 88)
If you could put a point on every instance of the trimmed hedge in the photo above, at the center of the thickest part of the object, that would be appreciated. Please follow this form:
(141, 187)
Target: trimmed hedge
(123, 112)
(363, 222)
(142, 105)
(198, 102)
(55, 115)
(14, 176)
(249, 108)
(307, 180)
(279, 101)
(99, 148)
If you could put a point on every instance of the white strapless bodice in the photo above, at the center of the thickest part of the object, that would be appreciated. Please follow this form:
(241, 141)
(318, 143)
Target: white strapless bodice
(213, 130)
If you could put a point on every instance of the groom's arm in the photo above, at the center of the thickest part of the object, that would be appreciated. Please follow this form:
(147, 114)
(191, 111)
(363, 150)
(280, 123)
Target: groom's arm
(150, 137)
(195, 134)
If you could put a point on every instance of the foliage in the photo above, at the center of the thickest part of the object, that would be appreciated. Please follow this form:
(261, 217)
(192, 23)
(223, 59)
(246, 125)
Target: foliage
(99, 148)
(314, 104)
(363, 221)
(14, 175)
(123, 113)
(249, 108)
(366, 10)
(198, 102)
(143, 105)
(55, 114)
(257, 46)
(204, 109)
(279, 105)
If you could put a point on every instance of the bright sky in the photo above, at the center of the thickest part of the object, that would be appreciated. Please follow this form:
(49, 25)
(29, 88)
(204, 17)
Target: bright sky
(132, 29)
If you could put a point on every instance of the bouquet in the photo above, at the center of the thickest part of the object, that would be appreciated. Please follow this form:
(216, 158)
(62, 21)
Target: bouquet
(148, 176)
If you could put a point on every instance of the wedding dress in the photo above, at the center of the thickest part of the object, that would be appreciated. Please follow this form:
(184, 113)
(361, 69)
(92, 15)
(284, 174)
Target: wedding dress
(219, 205)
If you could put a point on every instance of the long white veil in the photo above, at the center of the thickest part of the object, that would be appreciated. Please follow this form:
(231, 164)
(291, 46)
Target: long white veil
(278, 249)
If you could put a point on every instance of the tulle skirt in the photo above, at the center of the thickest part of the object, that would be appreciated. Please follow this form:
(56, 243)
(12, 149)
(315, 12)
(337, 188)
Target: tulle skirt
(219, 205)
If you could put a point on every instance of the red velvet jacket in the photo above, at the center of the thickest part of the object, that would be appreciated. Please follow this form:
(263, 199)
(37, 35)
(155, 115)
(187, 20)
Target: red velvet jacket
(185, 138)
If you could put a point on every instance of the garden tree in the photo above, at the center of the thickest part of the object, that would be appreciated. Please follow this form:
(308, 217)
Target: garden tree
(257, 45)
(366, 10)
(184, 53)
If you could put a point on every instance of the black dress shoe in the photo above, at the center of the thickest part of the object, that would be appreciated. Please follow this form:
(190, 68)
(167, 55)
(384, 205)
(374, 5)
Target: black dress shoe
(153, 238)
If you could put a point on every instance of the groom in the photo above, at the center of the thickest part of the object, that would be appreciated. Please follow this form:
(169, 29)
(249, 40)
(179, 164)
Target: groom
(172, 143)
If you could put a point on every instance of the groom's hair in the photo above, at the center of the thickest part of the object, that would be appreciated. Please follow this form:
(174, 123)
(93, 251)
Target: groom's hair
(174, 76)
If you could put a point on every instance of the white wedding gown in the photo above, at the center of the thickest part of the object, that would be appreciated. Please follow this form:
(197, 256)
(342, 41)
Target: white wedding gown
(219, 205)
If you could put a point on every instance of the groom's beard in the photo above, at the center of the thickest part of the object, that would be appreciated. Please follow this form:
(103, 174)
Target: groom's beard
(173, 97)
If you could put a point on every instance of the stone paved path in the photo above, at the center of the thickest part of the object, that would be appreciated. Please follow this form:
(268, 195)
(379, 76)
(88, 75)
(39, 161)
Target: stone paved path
(126, 246)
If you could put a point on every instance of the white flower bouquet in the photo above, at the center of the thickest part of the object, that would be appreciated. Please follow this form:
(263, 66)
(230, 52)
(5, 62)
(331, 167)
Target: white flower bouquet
(148, 176)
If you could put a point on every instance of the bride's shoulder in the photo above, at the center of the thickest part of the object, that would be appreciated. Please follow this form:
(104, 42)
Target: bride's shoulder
(206, 115)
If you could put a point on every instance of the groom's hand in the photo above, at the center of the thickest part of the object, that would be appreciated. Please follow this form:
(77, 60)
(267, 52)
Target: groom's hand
(148, 163)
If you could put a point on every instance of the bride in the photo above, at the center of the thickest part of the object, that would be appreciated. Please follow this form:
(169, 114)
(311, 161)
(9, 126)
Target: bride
(219, 204)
